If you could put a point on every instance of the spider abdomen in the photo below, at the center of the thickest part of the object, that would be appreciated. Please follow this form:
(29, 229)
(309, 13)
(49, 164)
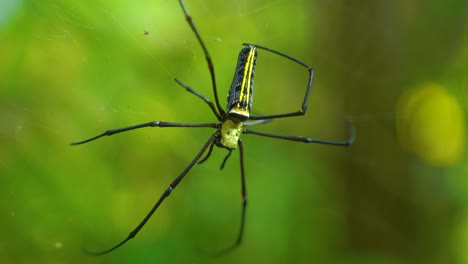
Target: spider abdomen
(241, 92)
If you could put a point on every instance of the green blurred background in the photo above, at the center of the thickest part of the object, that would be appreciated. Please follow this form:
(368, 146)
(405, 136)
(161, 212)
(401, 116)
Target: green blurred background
(72, 69)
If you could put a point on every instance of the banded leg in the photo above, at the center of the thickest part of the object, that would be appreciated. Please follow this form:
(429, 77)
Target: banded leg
(166, 193)
(189, 20)
(309, 85)
(148, 124)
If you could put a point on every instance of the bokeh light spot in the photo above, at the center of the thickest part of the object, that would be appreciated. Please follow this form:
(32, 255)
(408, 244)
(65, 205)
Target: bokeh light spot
(430, 123)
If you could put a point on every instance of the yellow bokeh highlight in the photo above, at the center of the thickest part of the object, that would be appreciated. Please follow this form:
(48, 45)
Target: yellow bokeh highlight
(430, 123)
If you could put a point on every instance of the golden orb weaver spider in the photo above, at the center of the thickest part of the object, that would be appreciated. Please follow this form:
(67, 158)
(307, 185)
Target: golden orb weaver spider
(231, 123)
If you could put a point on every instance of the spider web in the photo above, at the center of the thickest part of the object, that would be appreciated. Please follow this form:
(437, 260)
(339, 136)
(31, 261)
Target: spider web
(71, 69)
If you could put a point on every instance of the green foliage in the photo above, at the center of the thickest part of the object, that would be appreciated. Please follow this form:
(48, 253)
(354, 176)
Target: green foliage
(72, 69)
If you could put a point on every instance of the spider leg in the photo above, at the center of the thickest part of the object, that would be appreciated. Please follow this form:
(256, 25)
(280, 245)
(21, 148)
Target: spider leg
(148, 124)
(243, 195)
(348, 142)
(189, 20)
(240, 235)
(207, 155)
(306, 96)
(225, 159)
(166, 193)
(206, 100)
(257, 122)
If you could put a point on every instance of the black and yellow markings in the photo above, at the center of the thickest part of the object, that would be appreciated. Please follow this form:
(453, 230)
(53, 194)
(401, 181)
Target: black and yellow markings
(241, 92)
(229, 125)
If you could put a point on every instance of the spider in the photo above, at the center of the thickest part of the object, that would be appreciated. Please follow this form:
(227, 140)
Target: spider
(232, 123)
